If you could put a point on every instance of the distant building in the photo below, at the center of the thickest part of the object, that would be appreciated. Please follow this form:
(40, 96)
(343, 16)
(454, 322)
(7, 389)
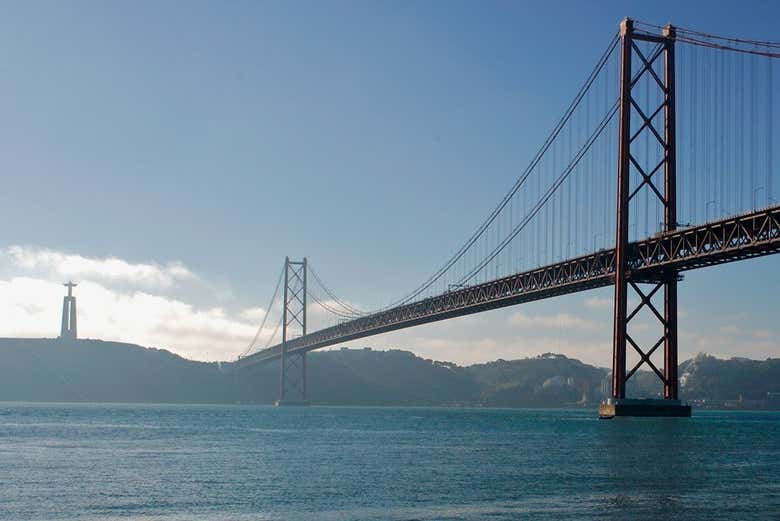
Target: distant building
(68, 329)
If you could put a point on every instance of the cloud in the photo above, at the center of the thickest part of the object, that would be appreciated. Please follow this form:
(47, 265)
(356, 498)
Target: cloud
(109, 269)
(32, 307)
(640, 327)
(598, 303)
(124, 301)
(253, 314)
(730, 340)
(564, 321)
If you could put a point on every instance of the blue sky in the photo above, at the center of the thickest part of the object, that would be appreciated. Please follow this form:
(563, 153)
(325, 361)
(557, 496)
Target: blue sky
(371, 137)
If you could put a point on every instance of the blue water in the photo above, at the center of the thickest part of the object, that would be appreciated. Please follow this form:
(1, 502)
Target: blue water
(171, 462)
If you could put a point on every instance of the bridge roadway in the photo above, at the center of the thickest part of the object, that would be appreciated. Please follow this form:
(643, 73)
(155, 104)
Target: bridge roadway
(735, 238)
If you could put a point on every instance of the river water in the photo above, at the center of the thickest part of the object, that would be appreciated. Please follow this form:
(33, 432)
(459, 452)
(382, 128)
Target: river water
(175, 462)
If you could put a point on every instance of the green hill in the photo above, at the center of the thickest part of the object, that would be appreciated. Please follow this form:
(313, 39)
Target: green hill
(716, 381)
(97, 371)
(548, 380)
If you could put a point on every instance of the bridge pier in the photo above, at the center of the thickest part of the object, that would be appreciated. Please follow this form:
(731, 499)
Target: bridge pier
(632, 111)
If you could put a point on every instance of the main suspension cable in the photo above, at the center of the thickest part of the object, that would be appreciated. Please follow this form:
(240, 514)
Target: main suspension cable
(550, 191)
(722, 47)
(273, 335)
(327, 307)
(520, 181)
(351, 310)
(265, 316)
(703, 39)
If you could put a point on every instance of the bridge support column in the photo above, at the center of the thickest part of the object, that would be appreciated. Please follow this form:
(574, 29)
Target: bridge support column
(631, 166)
(292, 382)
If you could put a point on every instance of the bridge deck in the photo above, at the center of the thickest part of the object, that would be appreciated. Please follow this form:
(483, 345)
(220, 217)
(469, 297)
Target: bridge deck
(718, 242)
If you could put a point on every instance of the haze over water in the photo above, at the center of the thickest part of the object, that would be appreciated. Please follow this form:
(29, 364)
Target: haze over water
(172, 462)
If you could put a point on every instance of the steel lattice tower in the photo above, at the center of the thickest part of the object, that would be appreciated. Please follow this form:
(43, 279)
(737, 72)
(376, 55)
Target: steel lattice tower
(647, 285)
(292, 383)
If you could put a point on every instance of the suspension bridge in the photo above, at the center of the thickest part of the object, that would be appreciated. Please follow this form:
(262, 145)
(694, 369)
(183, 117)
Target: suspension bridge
(662, 163)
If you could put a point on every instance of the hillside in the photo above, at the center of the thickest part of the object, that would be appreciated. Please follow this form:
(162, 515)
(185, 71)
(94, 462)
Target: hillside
(715, 381)
(97, 371)
(549, 380)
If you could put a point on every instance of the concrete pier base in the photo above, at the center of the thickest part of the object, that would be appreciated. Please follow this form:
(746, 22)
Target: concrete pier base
(612, 407)
(290, 403)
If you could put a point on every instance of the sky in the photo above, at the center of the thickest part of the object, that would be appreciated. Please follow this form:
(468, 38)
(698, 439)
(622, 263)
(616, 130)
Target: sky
(168, 156)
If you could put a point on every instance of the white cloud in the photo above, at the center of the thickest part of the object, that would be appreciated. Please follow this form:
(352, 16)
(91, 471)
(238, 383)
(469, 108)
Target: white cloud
(730, 341)
(123, 301)
(639, 327)
(561, 321)
(109, 269)
(598, 303)
(253, 314)
(32, 307)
